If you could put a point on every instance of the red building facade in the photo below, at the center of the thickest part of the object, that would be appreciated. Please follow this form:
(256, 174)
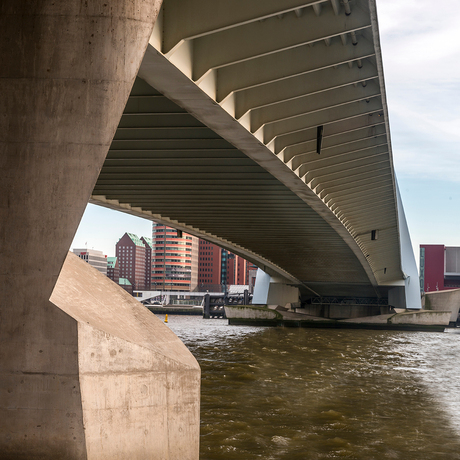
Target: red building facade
(181, 262)
(209, 265)
(218, 267)
(174, 259)
(439, 267)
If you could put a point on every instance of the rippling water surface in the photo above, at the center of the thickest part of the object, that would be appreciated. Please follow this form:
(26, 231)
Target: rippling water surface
(282, 393)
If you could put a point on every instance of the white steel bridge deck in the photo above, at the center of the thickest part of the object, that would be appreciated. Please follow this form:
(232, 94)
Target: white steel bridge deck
(263, 127)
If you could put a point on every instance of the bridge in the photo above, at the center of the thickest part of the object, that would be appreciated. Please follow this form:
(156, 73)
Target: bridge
(272, 120)
(261, 126)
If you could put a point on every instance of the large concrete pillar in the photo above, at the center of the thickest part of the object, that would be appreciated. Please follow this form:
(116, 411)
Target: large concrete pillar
(269, 290)
(66, 71)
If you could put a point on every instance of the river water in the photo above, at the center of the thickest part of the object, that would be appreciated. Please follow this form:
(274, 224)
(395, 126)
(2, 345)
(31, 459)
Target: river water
(283, 393)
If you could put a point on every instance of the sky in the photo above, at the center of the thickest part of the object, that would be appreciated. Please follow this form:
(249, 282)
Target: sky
(421, 62)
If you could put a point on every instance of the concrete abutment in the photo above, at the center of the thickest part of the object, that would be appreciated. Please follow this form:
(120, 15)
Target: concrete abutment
(271, 291)
(140, 386)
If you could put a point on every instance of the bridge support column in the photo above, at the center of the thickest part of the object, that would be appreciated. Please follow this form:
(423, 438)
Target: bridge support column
(407, 296)
(67, 69)
(272, 291)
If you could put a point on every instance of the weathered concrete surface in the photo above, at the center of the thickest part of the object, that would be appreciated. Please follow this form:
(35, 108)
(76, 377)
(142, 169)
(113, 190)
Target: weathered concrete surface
(344, 311)
(270, 290)
(67, 70)
(251, 312)
(376, 319)
(140, 386)
(269, 313)
(422, 318)
(40, 402)
(410, 320)
(443, 300)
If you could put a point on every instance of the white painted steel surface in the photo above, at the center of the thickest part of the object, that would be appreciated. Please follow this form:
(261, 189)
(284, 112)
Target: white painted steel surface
(220, 139)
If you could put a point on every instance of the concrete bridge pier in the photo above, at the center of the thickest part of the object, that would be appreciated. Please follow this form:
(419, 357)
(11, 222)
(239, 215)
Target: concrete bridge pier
(67, 70)
(270, 290)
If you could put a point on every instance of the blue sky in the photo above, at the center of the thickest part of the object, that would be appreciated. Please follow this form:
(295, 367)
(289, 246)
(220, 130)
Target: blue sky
(421, 59)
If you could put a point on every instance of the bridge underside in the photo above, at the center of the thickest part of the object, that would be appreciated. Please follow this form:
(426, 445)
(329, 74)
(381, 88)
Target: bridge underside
(164, 162)
(264, 129)
(166, 165)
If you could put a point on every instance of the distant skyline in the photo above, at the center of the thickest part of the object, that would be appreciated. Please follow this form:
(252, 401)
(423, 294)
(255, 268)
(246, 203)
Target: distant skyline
(421, 61)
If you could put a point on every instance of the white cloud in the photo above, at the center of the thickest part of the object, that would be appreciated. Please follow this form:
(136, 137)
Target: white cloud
(421, 55)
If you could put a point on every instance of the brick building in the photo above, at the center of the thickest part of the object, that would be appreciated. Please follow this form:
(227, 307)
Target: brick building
(126, 285)
(209, 266)
(219, 267)
(238, 270)
(131, 253)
